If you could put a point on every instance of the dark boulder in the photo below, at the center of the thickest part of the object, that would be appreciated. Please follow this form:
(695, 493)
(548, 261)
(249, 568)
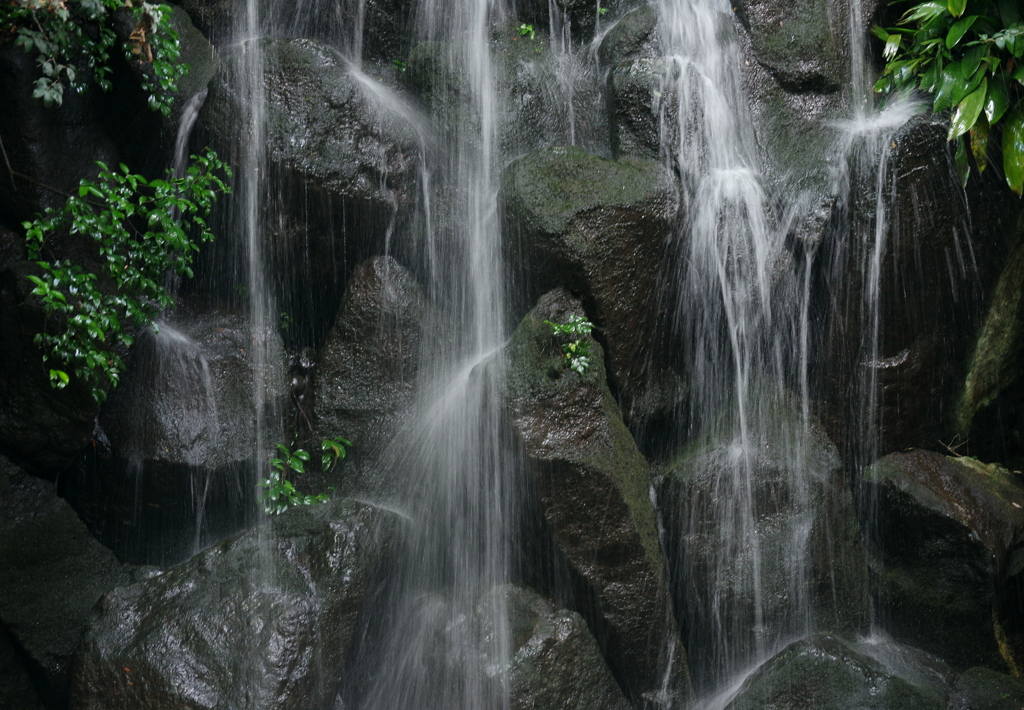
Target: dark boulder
(989, 415)
(54, 571)
(172, 467)
(985, 689)
(265, 619)
(825, 673)
(554, 662)
(364, 380)
(946, 557)
(600, 228)
(592, 485)
(739, 537)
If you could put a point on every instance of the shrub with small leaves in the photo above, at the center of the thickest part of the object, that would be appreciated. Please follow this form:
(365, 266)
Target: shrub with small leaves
(970, 55)
(279, 494)
(65, 34)
(576, 352)
(141, 230)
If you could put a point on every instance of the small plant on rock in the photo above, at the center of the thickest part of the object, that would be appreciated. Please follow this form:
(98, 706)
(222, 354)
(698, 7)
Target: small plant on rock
(279, 493)
(576, 352)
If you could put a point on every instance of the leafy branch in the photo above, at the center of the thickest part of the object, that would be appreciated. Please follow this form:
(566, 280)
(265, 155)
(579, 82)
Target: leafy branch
(141, 230)
(968, 54)
(576, 352)
(64, 34)
(279, 493)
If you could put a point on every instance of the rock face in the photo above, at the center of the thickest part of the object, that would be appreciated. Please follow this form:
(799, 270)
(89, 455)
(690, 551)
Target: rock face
(592, 486)
(989, 415)
(365, 378)
(172, 470)
(343, 154)
(945, 554)
(984, 689)
(53, 574)
(599, 227)
(554, 663)
(796, 554)
(825, 673)
(266, 618)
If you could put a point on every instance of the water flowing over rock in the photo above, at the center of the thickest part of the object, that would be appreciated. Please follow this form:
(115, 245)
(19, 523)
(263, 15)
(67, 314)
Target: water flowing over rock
(946, 556)
(592, 484)
(800, 567)
(600, 228)
(53, 572)
(207, 634)
(826, 673)
(171, 471)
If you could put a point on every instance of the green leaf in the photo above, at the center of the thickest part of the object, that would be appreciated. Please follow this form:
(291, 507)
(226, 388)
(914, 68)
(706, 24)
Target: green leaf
(957, 7)
(1013, 148)
(952, 89)
(967, 111)
(925, 11)
(958, 30)
(892, 47)
(997, 100)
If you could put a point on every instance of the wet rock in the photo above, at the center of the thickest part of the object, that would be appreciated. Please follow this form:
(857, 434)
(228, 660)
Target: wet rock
(16, 689)
(364, 381)
(985, 689)
(633, 53)
(945, 554)
(600, 227)
(928, 300)
(732, 548)
(266, 618)
(554, 662)
(592, 486)
(54, 571)
(989, 416)
(171, 467)
(825, 673)
(41, 428)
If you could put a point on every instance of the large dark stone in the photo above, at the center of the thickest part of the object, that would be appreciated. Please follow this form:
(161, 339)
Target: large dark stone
(265, 619)
(776, 546)
(554, 662)
(946, 556)
(825, 673)
(985, 689)
(989, 415)
(53, 573)
(364, 381)
(172, 468)
(592, 484)
(599, 227)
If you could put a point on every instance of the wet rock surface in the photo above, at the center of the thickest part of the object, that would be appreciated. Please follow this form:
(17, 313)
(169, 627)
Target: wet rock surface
(600, 228)
(592, 486)
(826, 673)
(171, 466)
(985, 689)
(802, 526)
(266, 618)
(53, 572)
(364, 381)
(946, 556)
(555, 663)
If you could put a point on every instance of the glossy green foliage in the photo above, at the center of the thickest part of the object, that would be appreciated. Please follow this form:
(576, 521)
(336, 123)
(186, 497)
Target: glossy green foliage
(576, 352)
(69, 35)
(141, 230)
(969, 54)
(279, 494)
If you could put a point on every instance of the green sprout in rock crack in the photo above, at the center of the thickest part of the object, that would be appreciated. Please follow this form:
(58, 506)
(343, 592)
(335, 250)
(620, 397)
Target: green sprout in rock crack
(399, 64)
(279, 493)
(575, 353)
(527, 31)
(286, 320)
(601, 10)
